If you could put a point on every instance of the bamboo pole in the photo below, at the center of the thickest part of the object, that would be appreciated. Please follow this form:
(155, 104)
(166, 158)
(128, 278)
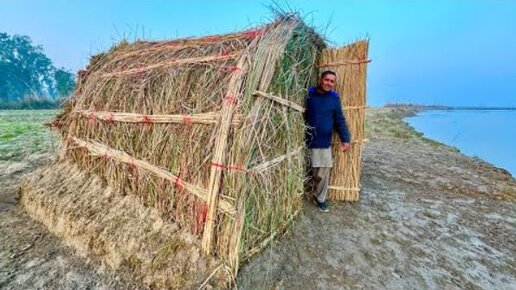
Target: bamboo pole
(345, 62)
(219, 152)
(204, 118)
(264, 66)
(271, 163)
(175, 62)
(102, 150)
(280, 101)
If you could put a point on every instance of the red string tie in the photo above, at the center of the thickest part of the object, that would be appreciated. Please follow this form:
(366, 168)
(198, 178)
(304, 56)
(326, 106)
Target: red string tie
(178, 183)
(234, 68)
(230, 68)
(147, 119)
(187, 120)
(110, 118)
(91, 117)
(230, 100)
(201, 218)
(132, 167)
(218, 165)
(252, 34)
(236, 168)
(225, 52)
(225, 167)
(210, 38)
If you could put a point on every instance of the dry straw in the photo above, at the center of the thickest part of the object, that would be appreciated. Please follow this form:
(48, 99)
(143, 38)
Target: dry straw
(350, 64)
(209, 131)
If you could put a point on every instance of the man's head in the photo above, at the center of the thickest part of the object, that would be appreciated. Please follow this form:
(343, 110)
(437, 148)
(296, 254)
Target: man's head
(327, 81)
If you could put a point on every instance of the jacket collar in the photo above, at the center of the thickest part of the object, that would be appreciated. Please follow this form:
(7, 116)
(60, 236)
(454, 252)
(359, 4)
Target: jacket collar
(313, 91)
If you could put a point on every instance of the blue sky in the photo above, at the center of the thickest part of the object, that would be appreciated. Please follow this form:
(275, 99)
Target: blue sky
(431, 52)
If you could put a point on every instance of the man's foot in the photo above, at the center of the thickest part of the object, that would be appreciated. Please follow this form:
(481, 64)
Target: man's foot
(323, 206)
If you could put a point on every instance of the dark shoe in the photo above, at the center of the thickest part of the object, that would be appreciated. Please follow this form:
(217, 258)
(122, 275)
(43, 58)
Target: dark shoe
(323, 206)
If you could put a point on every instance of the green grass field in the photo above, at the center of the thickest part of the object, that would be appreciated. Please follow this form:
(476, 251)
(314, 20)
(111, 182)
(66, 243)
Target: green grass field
(22, 133)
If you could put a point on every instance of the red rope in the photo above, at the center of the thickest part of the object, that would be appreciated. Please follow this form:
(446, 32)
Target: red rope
(253, 33)
(225, 52)
(209, 38)
(178, 183)
(187, 120)
(110, 117)
(147, 119)
(132, 168)
(230, 68)
(230, 100)
(201, 217)
(91, 117)
(236, 168)
(234, 68)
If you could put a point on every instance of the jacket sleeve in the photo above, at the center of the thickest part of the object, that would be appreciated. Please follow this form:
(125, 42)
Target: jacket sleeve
(340, 122)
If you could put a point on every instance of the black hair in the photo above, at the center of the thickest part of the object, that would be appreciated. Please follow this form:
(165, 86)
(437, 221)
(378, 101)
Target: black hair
(327, 72)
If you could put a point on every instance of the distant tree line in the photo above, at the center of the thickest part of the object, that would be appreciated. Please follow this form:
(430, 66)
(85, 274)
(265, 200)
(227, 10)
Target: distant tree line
(28, 78)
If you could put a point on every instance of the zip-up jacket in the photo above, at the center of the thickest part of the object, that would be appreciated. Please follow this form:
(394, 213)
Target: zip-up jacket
(324, 114)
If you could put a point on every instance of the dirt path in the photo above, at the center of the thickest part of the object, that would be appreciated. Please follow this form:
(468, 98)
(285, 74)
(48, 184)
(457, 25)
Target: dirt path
(31, 257)
(429, 218)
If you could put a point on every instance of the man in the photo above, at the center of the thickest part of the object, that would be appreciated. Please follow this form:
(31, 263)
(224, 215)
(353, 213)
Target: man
(324, 114)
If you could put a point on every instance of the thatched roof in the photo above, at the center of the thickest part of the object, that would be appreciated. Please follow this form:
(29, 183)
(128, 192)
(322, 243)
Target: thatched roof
(192, 67)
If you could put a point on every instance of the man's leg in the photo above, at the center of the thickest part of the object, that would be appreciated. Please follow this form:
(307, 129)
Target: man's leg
(310, 183)
(321, 179)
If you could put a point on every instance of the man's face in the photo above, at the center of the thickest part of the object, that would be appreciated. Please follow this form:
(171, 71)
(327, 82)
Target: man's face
(327, 83)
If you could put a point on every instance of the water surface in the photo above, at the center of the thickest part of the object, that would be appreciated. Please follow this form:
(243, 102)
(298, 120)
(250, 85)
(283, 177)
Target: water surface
(487, 134)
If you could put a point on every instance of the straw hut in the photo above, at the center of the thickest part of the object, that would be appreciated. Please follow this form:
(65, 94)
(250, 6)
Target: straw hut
(181, 158)
(208, 131)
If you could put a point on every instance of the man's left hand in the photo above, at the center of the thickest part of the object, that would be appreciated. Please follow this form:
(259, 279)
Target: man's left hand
(344, 146)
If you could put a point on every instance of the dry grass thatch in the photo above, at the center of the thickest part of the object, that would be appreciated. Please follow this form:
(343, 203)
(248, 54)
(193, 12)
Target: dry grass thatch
(350, 64)
(207, 130)
(102, 223)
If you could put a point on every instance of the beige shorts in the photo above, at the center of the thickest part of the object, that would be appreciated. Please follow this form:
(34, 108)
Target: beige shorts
(321, 157)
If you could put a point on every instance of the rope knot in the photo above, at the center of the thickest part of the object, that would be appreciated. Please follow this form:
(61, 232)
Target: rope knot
(187, 120)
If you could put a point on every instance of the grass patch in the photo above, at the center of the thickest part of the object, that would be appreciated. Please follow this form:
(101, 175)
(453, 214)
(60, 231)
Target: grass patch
(22, 133)
(376, 242)
(368, 257)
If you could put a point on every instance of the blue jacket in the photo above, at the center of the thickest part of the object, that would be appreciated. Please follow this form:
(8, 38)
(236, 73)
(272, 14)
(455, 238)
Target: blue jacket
(323, 114)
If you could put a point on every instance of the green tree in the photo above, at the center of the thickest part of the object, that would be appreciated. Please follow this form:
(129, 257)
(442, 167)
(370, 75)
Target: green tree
(24, 69)
(65, 82)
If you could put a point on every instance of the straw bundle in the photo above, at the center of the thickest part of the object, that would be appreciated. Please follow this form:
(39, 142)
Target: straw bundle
(209, 130)
(101, 223)
(350, 64)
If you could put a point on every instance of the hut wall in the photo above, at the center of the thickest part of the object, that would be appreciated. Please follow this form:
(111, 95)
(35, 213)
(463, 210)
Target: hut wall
(350, 65)
(208, 131)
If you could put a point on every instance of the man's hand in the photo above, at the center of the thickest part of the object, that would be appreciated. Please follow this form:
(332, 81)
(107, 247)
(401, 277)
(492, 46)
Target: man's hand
(344, 146)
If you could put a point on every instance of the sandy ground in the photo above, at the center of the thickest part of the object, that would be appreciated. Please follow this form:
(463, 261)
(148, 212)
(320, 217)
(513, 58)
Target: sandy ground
(429, 218)
(31, 257)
